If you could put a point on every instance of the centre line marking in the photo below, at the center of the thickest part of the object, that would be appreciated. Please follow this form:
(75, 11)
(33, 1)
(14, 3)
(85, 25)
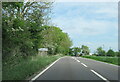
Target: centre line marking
(84, 64)
(72, 57)
(77, 60)
(100, 76)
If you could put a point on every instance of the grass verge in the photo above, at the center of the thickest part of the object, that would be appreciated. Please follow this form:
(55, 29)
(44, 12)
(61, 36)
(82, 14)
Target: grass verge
(27, 67)
(111, 60)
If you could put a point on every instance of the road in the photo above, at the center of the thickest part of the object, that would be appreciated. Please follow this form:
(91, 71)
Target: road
(77, 68)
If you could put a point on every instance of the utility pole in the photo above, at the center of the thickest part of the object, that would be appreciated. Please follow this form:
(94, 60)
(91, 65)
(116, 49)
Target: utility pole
(103, 49)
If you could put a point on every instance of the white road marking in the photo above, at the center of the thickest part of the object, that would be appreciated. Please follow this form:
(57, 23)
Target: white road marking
(75, 59)
(44, 70)
(84, 64)
(99, 61)
(100, 76)
(78, 61)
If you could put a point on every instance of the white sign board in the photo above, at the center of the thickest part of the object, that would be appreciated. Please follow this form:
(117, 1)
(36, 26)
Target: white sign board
(43, 49)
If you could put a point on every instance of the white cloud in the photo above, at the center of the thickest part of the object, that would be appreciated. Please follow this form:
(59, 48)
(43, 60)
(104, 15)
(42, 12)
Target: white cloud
(75, 21)
(86, 0)
(83, 21)
(79, 26)
(109, 12)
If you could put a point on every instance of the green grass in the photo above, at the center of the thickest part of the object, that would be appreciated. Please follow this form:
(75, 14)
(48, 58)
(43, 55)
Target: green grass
(27, 67)
(111, 60)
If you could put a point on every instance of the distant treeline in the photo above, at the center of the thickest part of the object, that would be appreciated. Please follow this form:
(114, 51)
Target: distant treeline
(25, 29)
(84, 50)
(110, 53)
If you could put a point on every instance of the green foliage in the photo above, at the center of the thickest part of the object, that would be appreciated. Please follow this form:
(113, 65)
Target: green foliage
(70, 52)
(117, 54)
(21, 26)
(112, 60)
(76, 51)
(101, 52)
(55, 40)
(14, 37)
(85, 50)
(25, 29)
(110, 53)
(24, 69)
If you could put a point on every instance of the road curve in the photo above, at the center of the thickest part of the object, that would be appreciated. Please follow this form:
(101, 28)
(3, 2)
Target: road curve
(77, 68)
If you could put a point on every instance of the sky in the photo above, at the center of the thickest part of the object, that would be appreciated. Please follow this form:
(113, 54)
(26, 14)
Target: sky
(93, 24)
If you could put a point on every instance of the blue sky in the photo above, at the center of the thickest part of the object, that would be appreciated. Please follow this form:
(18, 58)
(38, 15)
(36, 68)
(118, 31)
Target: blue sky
(88, 23)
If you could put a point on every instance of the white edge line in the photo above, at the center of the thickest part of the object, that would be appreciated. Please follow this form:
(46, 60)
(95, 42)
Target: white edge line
(44, 70)
(100, 62)
(100, 76)
(84, 64)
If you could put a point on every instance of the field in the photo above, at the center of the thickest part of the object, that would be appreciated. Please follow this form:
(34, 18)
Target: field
(111, 60)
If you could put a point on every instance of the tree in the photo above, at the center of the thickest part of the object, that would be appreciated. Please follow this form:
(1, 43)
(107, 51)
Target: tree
(21, 26)
(55, 40)
(100, 51)
(110, 52)
(76, 51)
(117, 54)
(85, 50)
(70, 51)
